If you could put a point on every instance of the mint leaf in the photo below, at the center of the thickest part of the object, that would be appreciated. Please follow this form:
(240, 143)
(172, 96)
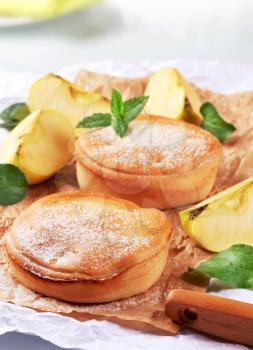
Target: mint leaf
(233, 266)
(134, 106)
(122, 114)
(8, 125)
(96, 120)
(195, 277)
(120, 126)
(117, 105)
(13, 115)
(214, 123)
(13, 184)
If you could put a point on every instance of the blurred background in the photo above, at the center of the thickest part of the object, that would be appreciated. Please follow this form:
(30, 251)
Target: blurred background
(126, 30)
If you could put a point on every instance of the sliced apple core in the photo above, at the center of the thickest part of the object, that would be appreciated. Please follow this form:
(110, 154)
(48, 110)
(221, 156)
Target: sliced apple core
(166, 96)
(222, 220)
(170, 95)
(40, 145)
(57, 93)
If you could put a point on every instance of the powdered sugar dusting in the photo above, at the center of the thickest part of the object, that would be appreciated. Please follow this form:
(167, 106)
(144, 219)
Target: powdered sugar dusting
(143, 307)
(149, 147)
(88, 235)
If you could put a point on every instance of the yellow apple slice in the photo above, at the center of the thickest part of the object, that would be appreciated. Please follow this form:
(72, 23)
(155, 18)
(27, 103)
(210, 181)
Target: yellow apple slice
(170, 95)
(57, 93)
(222, 220)
(40, 145)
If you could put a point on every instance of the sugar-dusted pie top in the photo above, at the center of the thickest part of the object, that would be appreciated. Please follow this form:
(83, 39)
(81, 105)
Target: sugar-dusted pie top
(79, 236)
(153, 145)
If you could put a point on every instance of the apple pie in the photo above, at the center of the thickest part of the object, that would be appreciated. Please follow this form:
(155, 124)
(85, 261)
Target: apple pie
(161, 163)
(88, 248)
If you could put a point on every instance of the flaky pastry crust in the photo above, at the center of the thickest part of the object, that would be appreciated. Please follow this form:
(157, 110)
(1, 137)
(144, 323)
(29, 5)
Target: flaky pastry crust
(83, 247)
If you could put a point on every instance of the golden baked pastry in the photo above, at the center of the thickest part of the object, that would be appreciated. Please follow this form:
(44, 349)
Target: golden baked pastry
(160, 163)
(88, 248)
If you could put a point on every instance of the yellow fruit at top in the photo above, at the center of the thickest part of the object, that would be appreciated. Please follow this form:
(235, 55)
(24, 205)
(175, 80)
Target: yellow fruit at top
(222, 220)
(170, 95)
(57, 93)
(40, 145)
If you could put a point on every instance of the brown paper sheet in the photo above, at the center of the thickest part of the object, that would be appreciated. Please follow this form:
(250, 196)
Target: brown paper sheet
(145, 311)
(103, 84)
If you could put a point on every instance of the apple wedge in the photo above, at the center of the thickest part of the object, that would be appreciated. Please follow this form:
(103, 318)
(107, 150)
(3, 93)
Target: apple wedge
(57, 93)
(40, 145)
(170, 95)
(222, 220)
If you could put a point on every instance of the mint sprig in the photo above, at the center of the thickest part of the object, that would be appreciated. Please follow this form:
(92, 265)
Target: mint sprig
(134, 106)
(120, 125)
(233, 267)
(13, 184)
(96, 120)
(214, 123)
(117, 104)
(13, 115)
(122, 113)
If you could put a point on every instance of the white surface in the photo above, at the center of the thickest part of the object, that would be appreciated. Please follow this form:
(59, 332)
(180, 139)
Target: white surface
(133, 30)
(69, 333)
(104, 335)
(12, 21)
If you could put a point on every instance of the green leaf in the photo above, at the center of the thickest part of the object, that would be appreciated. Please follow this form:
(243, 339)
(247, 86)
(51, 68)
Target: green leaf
(96, 120)
(8, 125)
(13, 184)
(134, 106)
(120, 126)
(13, 115)
(117, 104)
(122, 114)
(195, 277)
(233, 266)
(214, 123)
